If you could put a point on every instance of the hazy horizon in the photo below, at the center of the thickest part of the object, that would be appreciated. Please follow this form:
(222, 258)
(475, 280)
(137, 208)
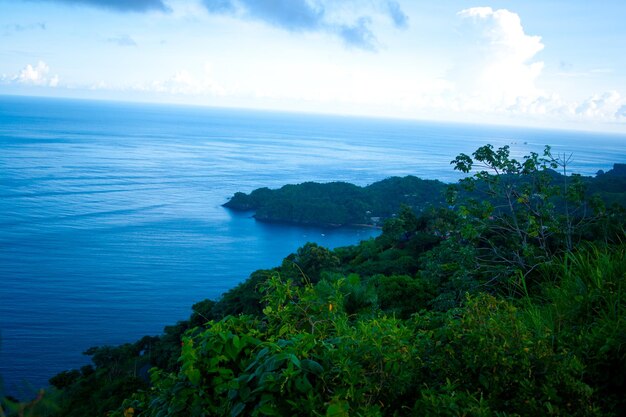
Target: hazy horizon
(547, 65)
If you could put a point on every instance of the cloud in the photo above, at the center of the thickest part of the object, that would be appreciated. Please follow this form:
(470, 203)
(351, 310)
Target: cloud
(292, 15)
(185, 82)
(119, 5)
(359, 35)
(496, 75)
(123, 40)
(601, 106)
(220, 6)
(498, 66)
(399, 18)
(38, 75)
(314, 16)
(609, 106)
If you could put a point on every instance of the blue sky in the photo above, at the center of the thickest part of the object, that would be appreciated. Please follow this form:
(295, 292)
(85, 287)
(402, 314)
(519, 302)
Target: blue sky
(550, 63)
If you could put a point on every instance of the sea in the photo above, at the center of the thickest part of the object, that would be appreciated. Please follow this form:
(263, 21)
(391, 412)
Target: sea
(111, 217)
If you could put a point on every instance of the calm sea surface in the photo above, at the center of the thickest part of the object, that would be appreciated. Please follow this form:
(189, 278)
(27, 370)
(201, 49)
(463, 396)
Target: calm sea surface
(111, 223)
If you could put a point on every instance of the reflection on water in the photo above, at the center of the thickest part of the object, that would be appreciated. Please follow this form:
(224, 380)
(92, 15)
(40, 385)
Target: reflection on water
(111, 223)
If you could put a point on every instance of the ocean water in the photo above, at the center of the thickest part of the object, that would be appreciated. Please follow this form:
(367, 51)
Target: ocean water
(111, 223)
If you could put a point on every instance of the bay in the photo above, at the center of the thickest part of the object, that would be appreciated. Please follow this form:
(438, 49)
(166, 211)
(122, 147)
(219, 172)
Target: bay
(111, 224)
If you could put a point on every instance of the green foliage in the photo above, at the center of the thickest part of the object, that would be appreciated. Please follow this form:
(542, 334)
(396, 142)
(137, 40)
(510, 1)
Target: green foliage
(303, 358)
(527, 213)
(210, 361)
(95, 391)
(516, 220)
(611, 185)
(309, 262)
(512, 305)
(585, 310)
(242, 299)
(307, 356)
(402, 295)
(43, 405)
(339, 203)
(490, 353)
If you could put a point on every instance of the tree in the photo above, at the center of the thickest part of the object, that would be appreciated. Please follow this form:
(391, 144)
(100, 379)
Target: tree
(517, 214)
(310, 260)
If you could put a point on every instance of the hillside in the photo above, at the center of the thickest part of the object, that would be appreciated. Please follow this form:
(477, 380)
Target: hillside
(339, 203)
(464, 309)
(342, 204)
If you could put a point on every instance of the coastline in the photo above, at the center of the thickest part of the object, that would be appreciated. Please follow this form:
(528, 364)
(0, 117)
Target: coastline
(314, 224)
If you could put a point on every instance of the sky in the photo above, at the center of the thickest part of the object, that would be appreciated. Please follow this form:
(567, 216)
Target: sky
(544, 63)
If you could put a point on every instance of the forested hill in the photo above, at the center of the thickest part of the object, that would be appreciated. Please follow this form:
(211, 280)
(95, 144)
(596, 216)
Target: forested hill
(473, 308)
(341, 203)
(611, 185)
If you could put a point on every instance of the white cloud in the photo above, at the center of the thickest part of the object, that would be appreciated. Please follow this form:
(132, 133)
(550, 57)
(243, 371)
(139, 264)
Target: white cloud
(497, 76)
(38, 75)
(185, 82)
(350, 20)
(498, 65)
(604, 106)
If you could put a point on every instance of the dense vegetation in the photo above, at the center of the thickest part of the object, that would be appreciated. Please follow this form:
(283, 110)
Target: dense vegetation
(509, 300)
(340, 203)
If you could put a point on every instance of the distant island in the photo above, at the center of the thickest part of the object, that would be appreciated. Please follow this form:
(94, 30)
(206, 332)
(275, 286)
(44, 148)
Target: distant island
(337, 204)
(507, 299)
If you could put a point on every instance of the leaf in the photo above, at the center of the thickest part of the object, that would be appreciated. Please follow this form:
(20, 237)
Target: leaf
(311, 366)
(268, 410)
(303, 385)
(237, 409)
(244, 393)
(232, 394)
(338, 408)
(194, 375)
(284, 329)
(484, 381)
(274, 363)
(294, 359)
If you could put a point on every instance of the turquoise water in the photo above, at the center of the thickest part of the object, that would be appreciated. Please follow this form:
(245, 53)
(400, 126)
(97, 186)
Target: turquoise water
(111, 223)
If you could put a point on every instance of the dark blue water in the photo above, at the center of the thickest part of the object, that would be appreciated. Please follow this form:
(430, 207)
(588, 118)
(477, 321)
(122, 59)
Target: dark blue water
(111, 223)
